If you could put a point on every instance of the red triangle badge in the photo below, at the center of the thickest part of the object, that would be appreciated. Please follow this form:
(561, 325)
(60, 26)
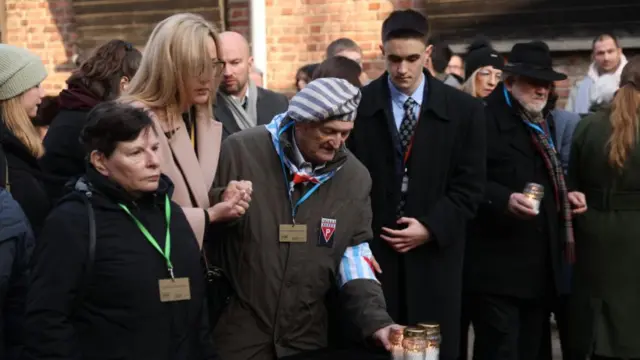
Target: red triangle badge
(328, 227)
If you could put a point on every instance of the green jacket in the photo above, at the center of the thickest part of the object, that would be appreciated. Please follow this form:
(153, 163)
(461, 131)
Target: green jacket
(605, 309)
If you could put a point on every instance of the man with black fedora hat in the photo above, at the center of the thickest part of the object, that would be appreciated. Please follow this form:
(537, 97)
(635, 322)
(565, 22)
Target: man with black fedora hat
(423, 143)
(517, 251)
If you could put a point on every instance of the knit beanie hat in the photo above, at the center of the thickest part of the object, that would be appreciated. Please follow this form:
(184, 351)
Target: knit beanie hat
(20, 70)
(325, 99)
(481, 54)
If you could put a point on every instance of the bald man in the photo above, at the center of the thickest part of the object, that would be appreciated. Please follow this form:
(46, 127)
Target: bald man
(240, 103)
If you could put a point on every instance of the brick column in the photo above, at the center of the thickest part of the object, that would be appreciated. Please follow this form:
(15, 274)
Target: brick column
(45, 27)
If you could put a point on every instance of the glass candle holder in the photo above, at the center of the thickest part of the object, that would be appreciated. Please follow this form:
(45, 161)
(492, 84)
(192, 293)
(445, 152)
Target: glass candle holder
(535, 193)
(433, 338)
(414, 343)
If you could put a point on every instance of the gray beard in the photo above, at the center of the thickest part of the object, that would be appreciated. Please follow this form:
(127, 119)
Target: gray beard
(534, 111)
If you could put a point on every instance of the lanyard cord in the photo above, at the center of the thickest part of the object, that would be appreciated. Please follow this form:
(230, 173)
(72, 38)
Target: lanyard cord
(167, 244)
(535, 127)
(294, 207)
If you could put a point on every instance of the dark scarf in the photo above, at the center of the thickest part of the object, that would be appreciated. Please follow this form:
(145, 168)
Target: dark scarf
(544, 145)
(77, 96)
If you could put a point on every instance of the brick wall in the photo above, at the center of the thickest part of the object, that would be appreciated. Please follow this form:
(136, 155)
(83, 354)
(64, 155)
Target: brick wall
(298, 32)
(45, 27)
(575, 65)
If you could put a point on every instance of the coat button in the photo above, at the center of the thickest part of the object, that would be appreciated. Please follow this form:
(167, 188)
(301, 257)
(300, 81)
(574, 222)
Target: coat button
(289, 283)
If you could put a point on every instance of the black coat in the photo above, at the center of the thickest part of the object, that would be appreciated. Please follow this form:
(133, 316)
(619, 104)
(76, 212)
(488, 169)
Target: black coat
(29, 186)
(446, 171)
(120, 315)
(269, 104)
(64, 155)
(506, 255)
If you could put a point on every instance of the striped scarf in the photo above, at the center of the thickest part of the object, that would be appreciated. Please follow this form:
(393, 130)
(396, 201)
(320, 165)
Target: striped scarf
(544, 144)
(279, 126)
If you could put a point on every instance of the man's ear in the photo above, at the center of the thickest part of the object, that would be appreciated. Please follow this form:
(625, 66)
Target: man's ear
(428, 51)
(382, 49)
(250, 61)
(99, 162)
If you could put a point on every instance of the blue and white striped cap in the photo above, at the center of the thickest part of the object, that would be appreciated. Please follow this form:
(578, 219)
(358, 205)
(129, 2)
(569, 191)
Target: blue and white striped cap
(325, 99)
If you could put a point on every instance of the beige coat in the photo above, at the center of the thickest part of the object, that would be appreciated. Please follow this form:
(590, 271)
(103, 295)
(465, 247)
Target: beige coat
(190, 173)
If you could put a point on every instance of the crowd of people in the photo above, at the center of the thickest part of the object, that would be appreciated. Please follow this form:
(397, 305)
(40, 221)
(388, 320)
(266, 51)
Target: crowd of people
(166, 206)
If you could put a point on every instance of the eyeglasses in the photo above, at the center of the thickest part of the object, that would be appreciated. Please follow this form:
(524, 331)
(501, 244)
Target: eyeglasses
(496, 74)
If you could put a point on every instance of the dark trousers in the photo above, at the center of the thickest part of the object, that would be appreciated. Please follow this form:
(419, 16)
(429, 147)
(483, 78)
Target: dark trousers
(598, 357)
(506, 328)
(560, 309)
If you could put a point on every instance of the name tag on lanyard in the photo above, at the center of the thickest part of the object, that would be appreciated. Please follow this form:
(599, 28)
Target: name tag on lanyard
(177, 289)
(293, 233)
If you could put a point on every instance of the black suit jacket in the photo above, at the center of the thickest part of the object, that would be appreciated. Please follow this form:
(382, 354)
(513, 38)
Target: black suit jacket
(269, 104)
(447, 174)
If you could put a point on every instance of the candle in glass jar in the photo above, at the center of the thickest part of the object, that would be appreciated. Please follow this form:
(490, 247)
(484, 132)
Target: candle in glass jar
(534, 192)
(433, 338)
(414, 343)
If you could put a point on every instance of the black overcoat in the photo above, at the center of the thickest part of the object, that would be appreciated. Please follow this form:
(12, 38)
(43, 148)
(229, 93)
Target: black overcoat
(508, 256)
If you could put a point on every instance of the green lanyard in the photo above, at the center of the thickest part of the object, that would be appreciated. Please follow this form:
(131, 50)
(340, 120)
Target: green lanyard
(167, 244)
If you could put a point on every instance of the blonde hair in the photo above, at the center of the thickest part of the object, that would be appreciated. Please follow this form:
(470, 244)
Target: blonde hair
(175, 53)
(469, 85)
(625, 110)
(17, 120)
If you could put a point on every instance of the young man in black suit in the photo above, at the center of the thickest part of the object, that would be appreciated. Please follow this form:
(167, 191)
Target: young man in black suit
(423, 143)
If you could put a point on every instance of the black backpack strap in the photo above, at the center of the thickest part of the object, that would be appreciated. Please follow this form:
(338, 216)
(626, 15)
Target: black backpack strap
(88, 270)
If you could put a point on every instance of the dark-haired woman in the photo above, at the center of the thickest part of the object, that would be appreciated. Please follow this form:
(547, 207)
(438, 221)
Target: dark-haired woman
(605, 165)
(141, 294)
(101, 77)
(304, 75)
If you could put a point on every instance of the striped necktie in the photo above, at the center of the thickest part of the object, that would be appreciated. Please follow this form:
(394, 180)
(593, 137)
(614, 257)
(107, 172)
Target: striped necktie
(408, 124)
(405, 132)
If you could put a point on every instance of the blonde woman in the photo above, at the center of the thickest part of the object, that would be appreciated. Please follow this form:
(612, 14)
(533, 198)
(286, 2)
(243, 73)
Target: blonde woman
(483, 69)
(176, 80)
(21, 72)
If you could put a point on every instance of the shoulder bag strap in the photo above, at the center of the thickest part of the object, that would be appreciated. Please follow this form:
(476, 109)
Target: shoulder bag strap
(88, 270)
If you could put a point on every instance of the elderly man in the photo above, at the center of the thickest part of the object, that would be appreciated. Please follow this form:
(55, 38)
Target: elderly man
(240, 104)
(517, 252)
(307, 229)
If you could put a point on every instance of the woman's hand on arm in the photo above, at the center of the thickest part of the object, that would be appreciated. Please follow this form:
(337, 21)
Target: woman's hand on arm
(235, 202)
